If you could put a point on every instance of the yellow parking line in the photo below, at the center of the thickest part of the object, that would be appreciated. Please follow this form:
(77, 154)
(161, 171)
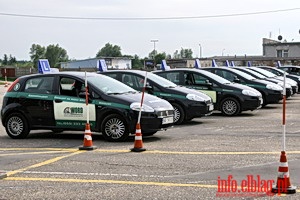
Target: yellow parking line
(71, 180)
(110, 181)
(43, 163)
(30, 153)
(197, 152)
(39, 149)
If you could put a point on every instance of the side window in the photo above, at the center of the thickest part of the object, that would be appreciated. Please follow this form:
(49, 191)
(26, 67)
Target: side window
(199, 79)
(128, 80)
(40, 85)
(173, 77)
(226, 74)
(70, 87)
(189, 79)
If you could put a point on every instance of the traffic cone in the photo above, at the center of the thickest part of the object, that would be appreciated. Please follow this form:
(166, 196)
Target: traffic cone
(87, 142)
(283, 184)
(138, 140)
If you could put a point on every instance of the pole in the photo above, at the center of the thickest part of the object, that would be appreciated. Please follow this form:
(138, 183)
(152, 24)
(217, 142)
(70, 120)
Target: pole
(87, 100)
(200, 51)
(143, 92)
(283, 111)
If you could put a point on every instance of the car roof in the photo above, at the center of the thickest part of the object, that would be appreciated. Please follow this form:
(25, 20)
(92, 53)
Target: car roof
(72, 73)
(126, 70)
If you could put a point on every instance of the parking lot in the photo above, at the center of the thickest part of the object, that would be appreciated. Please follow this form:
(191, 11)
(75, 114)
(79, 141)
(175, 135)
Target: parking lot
(184, 162)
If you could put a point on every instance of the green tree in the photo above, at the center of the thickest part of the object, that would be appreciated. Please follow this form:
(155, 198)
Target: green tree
(36, 52)
(12, 60)
(109, 50)
(5, 60)
(159, 57)
(137, 63)
(186, 53)
(55, 55)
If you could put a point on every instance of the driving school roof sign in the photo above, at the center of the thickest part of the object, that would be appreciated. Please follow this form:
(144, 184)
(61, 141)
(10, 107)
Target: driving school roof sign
(44, 66)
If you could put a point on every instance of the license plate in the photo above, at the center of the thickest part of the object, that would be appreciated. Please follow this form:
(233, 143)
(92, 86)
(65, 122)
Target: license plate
(168, 120)
(211, 107)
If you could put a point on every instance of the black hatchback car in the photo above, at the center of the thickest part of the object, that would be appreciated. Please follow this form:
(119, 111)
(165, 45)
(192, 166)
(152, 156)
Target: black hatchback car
(271, 92)
(291, 69)
(280, 72)
(56, 101)
(187, 103)
(230, 98)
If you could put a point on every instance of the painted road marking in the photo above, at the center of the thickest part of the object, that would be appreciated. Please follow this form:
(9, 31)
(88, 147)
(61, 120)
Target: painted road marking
(22, 170)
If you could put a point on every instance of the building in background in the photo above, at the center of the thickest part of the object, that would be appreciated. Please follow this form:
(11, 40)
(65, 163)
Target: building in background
(91, 64)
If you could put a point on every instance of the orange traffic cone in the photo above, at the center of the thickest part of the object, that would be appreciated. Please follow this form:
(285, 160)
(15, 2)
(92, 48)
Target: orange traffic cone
(283, 181)
(87, 142)
(138, 140)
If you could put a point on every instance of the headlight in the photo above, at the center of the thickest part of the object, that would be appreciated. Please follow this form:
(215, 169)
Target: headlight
(251, 93)
(194, 97)
(274, 87)
(136, 106)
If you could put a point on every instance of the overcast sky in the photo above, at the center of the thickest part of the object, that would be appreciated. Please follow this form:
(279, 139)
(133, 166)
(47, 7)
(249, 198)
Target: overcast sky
(86, 28)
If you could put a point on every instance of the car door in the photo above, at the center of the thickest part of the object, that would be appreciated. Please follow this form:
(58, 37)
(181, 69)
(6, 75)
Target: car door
(37, 99)
(70, 109)
(202, 83)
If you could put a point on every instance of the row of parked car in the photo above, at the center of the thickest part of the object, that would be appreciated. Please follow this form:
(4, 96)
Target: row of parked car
(57, 101)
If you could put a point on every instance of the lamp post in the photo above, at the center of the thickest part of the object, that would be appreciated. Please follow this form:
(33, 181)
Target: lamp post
(154, 41)
(223, 52)
(200, 51)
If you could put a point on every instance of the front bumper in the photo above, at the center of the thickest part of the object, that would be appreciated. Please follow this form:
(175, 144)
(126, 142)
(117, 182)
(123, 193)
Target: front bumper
(199, 109)
(251, 103)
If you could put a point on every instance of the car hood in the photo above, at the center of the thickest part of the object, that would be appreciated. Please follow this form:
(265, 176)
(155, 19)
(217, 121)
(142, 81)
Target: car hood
(243, 87)
(155, 102)
(184, 91)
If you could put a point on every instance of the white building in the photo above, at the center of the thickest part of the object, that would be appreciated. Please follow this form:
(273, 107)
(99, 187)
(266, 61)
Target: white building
(111, 62)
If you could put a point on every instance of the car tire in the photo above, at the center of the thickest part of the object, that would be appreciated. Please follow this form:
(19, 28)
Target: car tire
(16, 126)
(230, 106)
(179, 114)
(114, 128)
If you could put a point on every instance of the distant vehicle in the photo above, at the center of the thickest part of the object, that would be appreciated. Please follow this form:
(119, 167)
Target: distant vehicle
(291, 69)
(260, 76)
(230, 98)
(271, 92)
(289, 82)
(280, 72)
(187, 103)
(56, 101)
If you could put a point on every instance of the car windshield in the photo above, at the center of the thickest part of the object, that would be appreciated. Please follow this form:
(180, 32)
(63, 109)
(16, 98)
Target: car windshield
(265, 72)
(243, 74)
(256, 74)
(160, 80)
(215, 77)
(280, 71)
(109, 85)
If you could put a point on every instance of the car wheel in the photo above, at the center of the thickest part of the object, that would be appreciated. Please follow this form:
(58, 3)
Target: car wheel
(114, 128)
(16, 126)
(178, 113)
(230, 106)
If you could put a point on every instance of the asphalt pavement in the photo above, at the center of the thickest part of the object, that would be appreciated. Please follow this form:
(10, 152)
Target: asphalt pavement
(188, 161)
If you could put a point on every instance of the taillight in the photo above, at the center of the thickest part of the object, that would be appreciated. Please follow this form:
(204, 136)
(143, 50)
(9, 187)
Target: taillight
(13, 85)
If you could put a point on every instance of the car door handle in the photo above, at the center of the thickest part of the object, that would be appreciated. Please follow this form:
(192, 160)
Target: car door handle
(58, 100)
